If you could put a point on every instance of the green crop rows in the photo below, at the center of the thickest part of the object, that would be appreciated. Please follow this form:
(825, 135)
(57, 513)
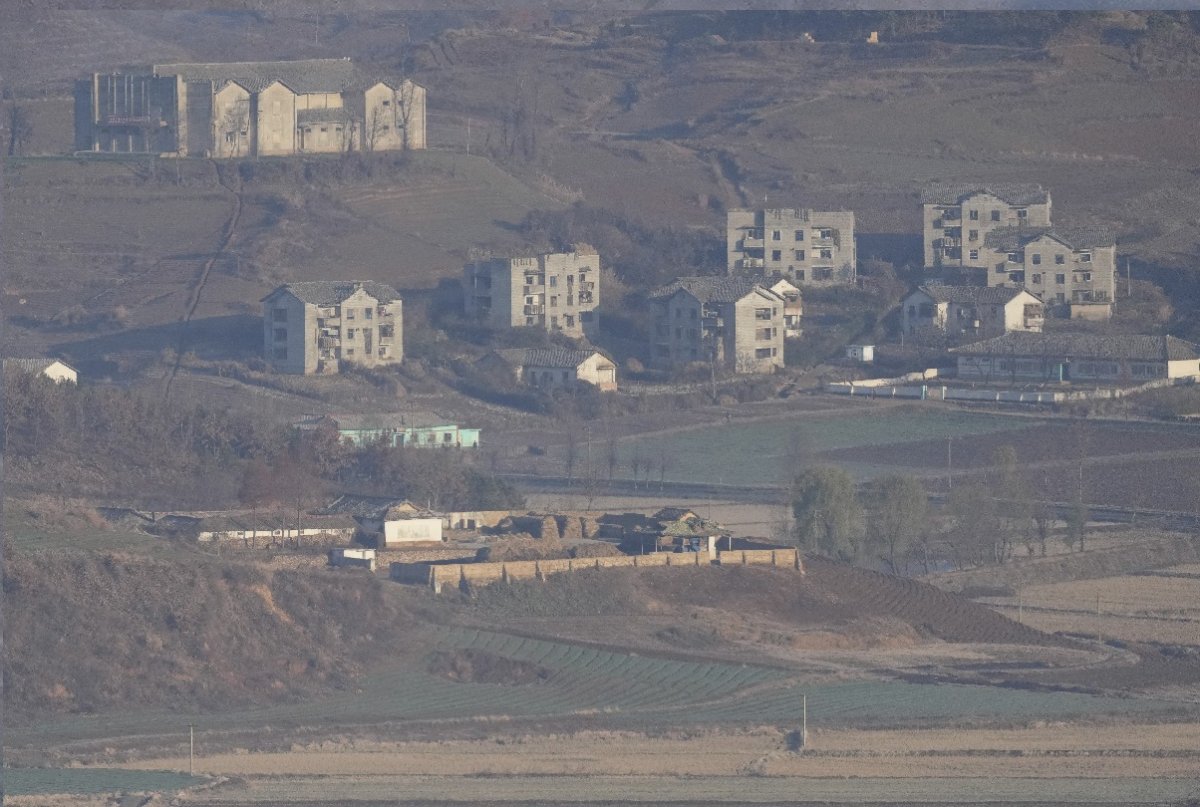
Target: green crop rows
(31, 781)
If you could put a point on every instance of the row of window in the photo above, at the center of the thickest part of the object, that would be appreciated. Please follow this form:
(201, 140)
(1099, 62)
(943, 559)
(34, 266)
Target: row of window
(825, 233)
(799, 254)
(281, 353)
(973, 215)
(540, 280)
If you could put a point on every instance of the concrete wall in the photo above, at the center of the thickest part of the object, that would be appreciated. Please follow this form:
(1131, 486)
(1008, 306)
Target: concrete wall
(787, 558)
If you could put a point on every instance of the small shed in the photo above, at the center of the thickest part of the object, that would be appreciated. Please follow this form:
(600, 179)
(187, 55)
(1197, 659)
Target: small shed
(363, 558)
(864, 354)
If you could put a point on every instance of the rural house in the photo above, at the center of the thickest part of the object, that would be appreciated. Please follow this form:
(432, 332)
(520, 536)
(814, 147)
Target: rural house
(417, 429)
(556, 368)
(247, 109)
(808, 247)
(975, 311)
(732, 322)
(58, 371)
(1076, 268)
(555, 292)
(316, 326)
(958, 218)
(389, 522)
(793, 306)
(1078, 357)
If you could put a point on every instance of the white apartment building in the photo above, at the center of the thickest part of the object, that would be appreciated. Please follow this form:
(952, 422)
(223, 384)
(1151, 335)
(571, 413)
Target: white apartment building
(808, 247)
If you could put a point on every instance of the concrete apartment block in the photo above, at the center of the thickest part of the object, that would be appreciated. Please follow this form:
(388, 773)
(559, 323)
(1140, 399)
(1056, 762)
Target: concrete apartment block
(808, 247)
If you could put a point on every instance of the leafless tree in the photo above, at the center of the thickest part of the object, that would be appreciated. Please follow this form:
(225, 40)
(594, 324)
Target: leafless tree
(235, 125)
(20, 129)
(404, 100)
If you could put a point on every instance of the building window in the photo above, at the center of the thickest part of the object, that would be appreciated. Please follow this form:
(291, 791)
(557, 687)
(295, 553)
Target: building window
(799, 235)
(569, 320)
(1037, 280)
(827, 254)
(826, 234)
(528, 320)
(1014, 257)
(324, 128)
(554, 301)
(387, 103)
(973, 235)
(554, 322)
(776, 235)
(553, 280)
(349, 351)
(1087, 277)
(349, 313)
(349, 333)
(1060, 280)
(368, 313)
(1085, 257)
(1036, 259)
(974, 215)
(281, 334)
(279, 314)
(1022, 214)
(995, 215)
(762, 353)
(1060, 259)
(973, 254)
(776, 255)
(799, 254)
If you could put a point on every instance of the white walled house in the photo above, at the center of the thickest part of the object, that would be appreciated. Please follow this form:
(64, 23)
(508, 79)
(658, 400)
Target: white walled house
(557, 368)
(1078, 357)
(970, 311)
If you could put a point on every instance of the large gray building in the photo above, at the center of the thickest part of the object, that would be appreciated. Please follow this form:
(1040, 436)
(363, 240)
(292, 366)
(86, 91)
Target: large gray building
(958, 218)
(1062, 267)
(557, 292)
(317, 326)
(241, 109)
(733, 322)
(808, 247)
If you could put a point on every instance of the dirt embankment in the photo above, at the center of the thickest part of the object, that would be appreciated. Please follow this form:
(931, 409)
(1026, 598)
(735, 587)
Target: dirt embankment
(89, 632)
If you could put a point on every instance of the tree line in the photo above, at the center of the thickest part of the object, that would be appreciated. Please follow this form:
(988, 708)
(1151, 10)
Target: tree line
(889, 520)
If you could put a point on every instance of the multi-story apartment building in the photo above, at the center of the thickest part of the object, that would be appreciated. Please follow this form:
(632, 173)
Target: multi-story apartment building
(244, 109)
(808, 247)
(317, 326)
(558, 292)
(958, 218)
(732, 322)
(1076, 268)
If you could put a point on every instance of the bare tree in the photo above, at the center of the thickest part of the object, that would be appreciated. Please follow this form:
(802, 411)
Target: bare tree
(405, 100)
(20, 129)
(235, 125)
(373, 128)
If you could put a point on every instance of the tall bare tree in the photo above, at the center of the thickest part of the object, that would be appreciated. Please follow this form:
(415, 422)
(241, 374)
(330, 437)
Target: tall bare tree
(20, 129)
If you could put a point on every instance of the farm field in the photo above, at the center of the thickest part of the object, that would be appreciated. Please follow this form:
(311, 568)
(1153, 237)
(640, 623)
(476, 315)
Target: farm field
(35, 781)
(1148, 607)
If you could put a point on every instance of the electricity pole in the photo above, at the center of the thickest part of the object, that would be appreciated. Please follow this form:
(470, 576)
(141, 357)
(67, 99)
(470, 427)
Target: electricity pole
(191, 749)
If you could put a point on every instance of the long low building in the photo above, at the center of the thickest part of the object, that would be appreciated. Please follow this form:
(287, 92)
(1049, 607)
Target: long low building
(1078, 357)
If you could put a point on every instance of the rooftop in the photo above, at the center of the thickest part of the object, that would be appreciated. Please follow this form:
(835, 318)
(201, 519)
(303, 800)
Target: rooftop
(1008, 239)
(1136, 347)
(557, 357)
(1013, 194)
(970, 295)
(302, 76)
(334, 292)
(713, 288)
(32, 364)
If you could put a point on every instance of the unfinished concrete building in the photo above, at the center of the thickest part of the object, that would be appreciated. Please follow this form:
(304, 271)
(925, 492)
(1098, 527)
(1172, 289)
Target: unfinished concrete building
(317, 326)
(958, 218)
(245, 109)
(556, 292)
(729, 322)
(808, 247)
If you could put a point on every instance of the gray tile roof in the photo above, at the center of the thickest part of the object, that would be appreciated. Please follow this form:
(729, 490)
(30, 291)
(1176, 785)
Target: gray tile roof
(971, 295)
(1014, 194)
(1008, 239)
(556, 357)
(1137, 347)
(302, 76)
(334, 292)
(31, 365)
(713, 289)
(389, 420)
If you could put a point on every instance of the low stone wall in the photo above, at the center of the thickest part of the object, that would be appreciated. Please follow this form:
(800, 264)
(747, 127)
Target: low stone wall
(788, 558)
(437, 576)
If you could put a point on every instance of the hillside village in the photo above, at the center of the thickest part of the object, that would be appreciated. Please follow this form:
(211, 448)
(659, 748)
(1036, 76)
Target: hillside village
(1006, 307)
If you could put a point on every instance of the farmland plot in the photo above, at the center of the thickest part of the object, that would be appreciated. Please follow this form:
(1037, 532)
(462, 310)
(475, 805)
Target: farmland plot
(31, 781)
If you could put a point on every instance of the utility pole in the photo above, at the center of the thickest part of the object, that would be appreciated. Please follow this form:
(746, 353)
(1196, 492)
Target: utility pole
(468, 136)
(804, 721)
(949, 464)
(191, 749)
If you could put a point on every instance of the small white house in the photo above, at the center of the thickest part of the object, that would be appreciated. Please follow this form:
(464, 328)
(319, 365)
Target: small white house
(58, 371)
(864, 354)
(403, 523)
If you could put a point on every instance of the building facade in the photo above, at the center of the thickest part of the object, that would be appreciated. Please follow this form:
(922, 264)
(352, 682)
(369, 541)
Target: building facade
(958, 218)
(1078, 357)
(318, 326)
(1060, 267)
(559, 368)
(971, 311)
(808, 247)
(793, 307)
(556, 292)
(731, 322)
(246, 109)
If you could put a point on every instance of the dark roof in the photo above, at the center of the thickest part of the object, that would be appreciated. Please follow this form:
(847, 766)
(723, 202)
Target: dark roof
(1137, 347)
(713, 289)
(334, 292)
(350, 504)
(971, 295)
(33, 365)
(1013, 194)
(1007, 239)
(547, 357)
(302, 76)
